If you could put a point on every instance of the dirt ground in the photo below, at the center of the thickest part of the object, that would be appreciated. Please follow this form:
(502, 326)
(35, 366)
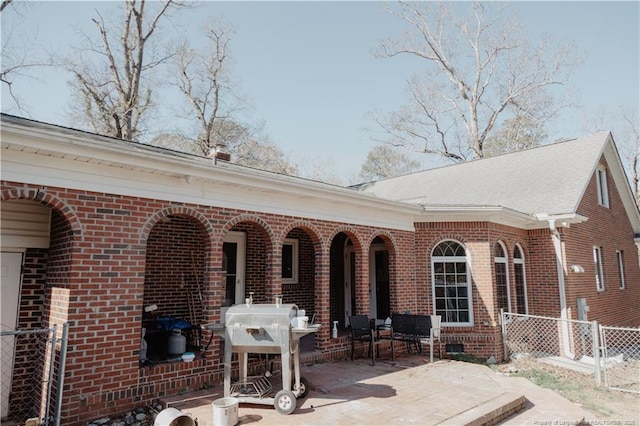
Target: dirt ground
(612, 407)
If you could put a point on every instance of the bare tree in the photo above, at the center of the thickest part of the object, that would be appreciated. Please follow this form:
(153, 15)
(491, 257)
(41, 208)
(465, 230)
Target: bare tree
(515, 134)
(384, 161)
(4, 4)
(624, 123)
(479, 70)
(111, 76)
(631, 133)
(246, 146)
(18, 56)
(204, 81)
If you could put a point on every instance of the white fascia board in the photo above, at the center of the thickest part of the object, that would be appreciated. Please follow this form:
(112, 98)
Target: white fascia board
(494, 214)
(564, 220)
(130, 155)
(226, 190)
(621, 181)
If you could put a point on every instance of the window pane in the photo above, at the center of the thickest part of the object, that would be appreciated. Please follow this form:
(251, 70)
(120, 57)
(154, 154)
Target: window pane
(520, 289)
(501, 286)
(517, 254)
(287, 261)
(451, 283)
(620, 257)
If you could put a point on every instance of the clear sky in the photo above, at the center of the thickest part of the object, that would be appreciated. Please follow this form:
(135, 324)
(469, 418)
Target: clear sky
(308, 71)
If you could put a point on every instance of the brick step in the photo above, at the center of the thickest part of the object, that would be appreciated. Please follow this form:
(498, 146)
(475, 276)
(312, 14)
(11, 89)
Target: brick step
(491, 411)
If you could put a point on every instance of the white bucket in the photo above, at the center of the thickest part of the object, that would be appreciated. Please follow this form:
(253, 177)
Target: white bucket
(225, 411)
(173, 417)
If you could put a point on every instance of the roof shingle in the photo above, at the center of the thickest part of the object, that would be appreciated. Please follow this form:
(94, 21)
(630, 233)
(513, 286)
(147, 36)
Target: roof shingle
(549, 179)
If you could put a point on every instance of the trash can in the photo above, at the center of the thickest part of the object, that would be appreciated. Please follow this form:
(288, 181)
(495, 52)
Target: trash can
(225, 411)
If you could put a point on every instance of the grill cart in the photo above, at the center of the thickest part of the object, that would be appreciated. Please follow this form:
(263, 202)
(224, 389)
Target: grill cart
(266, 329)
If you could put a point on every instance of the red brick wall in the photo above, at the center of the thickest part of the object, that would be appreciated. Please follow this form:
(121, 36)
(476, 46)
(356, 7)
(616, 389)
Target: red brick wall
(30, 349)
(109, 253)
(174, 268)
(103, 247)
(479, 238)
(303, 293)
(609, 229)
(256, 262)
(542, 275)
(42, 269)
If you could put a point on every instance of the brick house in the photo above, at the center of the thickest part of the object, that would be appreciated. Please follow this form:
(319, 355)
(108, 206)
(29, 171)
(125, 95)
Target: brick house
(106, 230)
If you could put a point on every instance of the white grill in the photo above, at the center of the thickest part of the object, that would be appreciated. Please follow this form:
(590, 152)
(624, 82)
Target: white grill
(257, 328)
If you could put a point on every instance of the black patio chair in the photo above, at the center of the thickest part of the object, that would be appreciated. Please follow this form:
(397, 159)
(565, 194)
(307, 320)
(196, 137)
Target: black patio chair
(361, 332)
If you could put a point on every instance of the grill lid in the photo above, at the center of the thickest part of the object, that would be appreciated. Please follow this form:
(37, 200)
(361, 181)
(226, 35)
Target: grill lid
(261, 314)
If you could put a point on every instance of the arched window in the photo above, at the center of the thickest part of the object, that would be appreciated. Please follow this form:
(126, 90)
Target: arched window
(451, 279)
(502, 278)
(520, 281)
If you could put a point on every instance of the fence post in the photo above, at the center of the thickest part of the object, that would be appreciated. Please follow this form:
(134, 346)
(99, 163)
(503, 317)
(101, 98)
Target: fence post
(54, 336)
(61, 372)
(504, 336)
(596, 350)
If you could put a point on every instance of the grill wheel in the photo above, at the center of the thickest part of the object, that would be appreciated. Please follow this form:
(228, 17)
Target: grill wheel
(285, 402)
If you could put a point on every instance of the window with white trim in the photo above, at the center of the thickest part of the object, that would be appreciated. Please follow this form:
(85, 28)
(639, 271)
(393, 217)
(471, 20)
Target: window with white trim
(601, 183)
(620, 258)
(502, 278)
(520, 281)
(597, 259)
(290, 261)
(451, 279)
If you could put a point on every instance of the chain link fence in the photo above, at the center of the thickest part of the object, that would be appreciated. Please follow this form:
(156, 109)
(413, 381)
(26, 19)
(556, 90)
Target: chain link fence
(565, 343)
(612, 352)
(621, 358)
(29, 360)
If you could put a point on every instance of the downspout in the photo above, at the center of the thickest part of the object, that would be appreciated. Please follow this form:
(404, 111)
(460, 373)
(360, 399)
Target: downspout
(557, 244)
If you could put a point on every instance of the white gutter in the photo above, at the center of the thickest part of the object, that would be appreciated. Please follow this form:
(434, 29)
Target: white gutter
(557, 245)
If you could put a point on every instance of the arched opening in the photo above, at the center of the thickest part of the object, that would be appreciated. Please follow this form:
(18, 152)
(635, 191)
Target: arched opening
(36, 257)
(344, 291)
(379, 280)
(173, 301)
(299, 270)
(298, 273)
(245, 264)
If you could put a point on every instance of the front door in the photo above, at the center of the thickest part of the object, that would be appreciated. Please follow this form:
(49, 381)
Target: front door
(233, 266)
(11, 266)
(379, 301)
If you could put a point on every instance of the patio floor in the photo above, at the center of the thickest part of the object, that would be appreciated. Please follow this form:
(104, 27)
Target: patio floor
(407, 391)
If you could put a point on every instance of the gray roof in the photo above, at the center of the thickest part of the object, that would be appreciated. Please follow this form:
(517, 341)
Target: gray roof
(547, 179)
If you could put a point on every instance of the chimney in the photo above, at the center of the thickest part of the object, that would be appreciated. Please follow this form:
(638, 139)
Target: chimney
(223, 156)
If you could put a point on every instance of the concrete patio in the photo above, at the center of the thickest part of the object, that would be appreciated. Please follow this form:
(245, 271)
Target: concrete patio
(407, 391)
